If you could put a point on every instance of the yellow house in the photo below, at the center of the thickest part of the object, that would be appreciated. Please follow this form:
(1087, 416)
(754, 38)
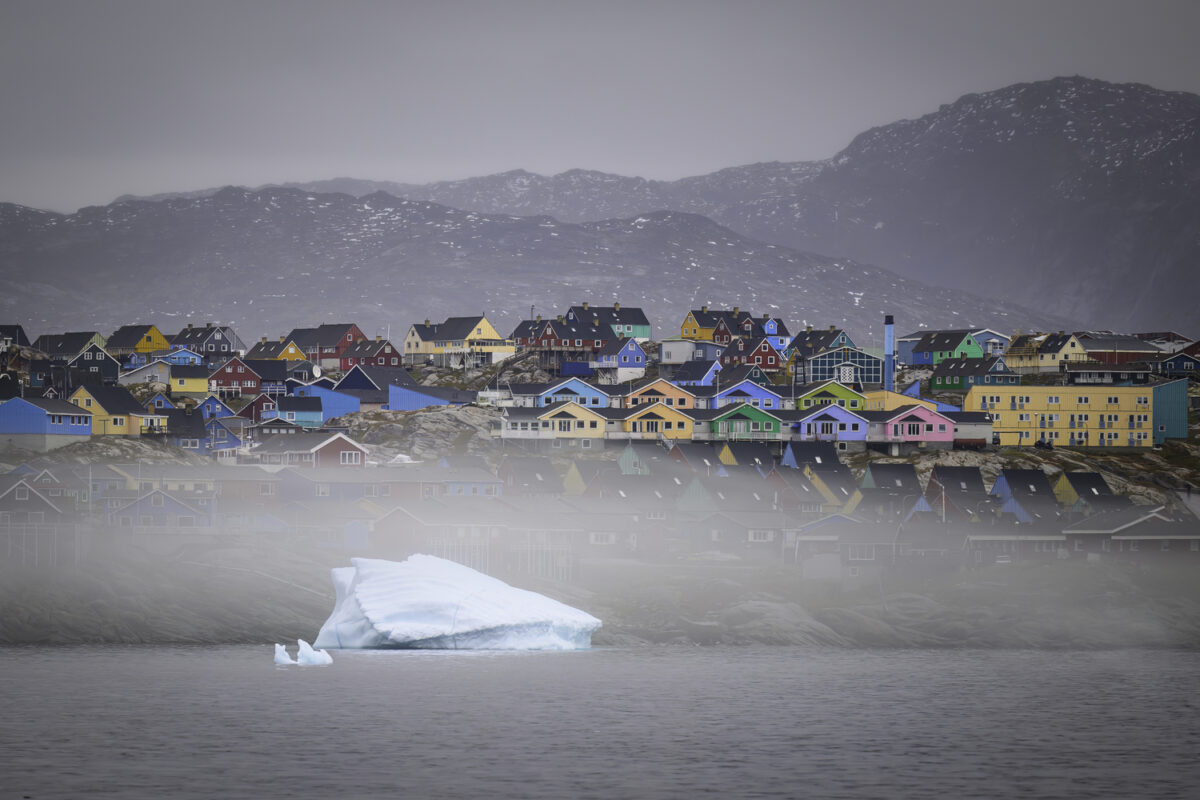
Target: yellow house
(700, 324)
(189, 381)
(129, 339)
(556, 426)
(652, 421)
(660, 391)
(883, 400)
(457, 342)
(1043, 352)
(1067, 416)
(283, 350)
(115, 412)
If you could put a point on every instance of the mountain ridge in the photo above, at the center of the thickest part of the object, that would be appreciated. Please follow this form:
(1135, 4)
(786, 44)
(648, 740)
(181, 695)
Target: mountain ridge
(279, 258)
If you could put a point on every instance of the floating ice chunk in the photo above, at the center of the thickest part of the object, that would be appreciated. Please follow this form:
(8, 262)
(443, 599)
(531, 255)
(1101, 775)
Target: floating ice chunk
(427, 602)
(308, 657)
(281, 655)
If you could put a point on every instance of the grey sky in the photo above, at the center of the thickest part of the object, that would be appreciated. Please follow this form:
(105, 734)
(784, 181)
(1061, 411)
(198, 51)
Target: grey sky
(103, 98)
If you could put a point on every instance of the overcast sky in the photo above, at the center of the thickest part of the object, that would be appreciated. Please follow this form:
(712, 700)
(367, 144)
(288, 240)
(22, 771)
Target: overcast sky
(102, 98)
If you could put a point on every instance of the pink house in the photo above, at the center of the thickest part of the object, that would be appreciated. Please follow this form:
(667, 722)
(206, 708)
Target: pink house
(910, 428)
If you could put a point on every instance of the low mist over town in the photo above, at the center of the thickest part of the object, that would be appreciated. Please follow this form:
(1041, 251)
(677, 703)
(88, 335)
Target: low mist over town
(539, 400)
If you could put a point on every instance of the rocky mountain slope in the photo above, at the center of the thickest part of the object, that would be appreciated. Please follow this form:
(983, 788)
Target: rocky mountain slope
(270, 260)
(1075, 196)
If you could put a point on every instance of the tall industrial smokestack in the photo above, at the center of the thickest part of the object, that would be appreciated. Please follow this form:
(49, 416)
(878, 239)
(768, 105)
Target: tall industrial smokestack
(889, 353)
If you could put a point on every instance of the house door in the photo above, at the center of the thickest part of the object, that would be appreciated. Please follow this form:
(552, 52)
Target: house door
(846, 374)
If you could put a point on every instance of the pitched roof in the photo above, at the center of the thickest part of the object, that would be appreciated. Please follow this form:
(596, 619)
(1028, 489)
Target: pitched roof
(610, 315)
(939, 341)
(968, 367)
(692, 370)
(127, 336)
(64, 344)
(116, 400)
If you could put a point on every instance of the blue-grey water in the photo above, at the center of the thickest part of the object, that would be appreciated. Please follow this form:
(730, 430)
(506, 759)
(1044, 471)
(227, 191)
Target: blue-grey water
(195, 722)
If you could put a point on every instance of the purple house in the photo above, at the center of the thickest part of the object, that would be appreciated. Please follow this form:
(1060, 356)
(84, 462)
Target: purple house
(831, 423)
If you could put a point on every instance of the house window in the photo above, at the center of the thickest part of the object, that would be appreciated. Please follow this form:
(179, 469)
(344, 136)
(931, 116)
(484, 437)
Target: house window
(156, 501)
(321, 490)
(349, 457)
(22, 493)
(861, 552)
(266, 489)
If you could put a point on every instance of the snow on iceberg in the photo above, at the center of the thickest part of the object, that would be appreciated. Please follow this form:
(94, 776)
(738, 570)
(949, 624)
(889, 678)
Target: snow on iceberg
(281, 655)
(309, 657)
(427, 602)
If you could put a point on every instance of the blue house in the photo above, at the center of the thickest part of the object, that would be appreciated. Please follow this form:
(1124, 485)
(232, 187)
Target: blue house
(42, 424)
(212, 406)
(1170, 410)
(624, 353)
(362, 376)
(225, 434)
(416, 397)
(747, 391)
(160, 402)
(333, 403)
(303, 411)
(161, 509)
(696, 373)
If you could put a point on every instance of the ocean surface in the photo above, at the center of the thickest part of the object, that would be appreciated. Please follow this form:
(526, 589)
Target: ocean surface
(655, 722)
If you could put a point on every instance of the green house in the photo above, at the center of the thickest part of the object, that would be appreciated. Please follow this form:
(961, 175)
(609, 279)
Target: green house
(829, 393)
(743, 422)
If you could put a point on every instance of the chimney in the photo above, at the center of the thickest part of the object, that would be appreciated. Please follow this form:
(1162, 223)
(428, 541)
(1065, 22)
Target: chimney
(426, 323)
(808, 328)
(703, 309)
(616, 306)
(585, 306)
(378, 338)
(833, 327)
(889, 353)
(766, 317)
(282, 339)
(189, 326)
(264, 340)
(735, 310)
(539, 317)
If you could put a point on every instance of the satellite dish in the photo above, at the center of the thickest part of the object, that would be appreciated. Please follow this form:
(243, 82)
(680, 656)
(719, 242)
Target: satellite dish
(316, 371)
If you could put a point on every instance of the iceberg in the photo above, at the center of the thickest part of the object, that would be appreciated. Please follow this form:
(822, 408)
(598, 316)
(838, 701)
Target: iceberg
(309, 657)
(281, 655)
(426, 602)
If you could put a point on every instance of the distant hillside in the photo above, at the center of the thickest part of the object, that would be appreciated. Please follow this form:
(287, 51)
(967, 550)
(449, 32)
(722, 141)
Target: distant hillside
(269, 260)
(1075, 196)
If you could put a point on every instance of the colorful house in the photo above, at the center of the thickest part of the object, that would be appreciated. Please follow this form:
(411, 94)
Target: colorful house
(845, 365)
(626, 323)
(832, 423)
(829, 393)
(459, 342)
(115, 412)
(660, 391)
(95, 365)
(1043, 352)
(737, 422)
(42, 424)
(377, 351)
(324, 344)
(960, 374)
(303, 411)
(907, 428)
(562, 425)
(757, 352)
(937, 346)
(618, 361)
(647, 420)
(749, 392)
(1068, 416)
(695, 373)
(129, 339)
(214, 342)
(283, 350)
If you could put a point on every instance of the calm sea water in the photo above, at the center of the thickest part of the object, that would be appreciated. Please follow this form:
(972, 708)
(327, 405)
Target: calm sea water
(184, 722)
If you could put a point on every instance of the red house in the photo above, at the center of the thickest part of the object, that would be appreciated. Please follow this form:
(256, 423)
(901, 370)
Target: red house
(325, 344)
(757, 352)
(234, 379)
(378, 352)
